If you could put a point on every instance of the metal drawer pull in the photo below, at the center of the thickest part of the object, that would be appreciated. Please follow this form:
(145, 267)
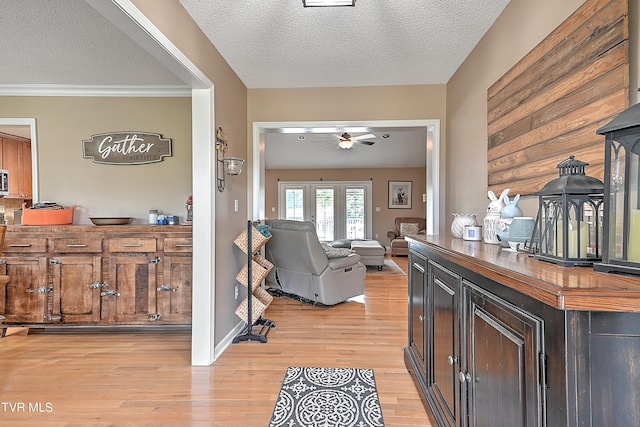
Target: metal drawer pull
(78, 245)
(20, 245)
(109, 294)
(40, 290)
(166, 288)
(98, 285)
(184, 245)
(131, 245)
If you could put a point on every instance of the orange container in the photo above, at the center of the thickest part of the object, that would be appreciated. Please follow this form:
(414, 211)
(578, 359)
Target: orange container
(47, 216)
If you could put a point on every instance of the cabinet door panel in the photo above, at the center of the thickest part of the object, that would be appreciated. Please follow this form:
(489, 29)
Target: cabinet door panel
(27, 294)
(446, 345)
(11, 162)
(497, 374)
(26, 179)
(417, 301)
(504, 348)
(75, 300)
(174, 293)
(131, 294)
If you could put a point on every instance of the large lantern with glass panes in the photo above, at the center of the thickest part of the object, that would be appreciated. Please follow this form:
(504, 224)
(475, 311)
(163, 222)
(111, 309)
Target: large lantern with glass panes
(621, 177)
(570, 210)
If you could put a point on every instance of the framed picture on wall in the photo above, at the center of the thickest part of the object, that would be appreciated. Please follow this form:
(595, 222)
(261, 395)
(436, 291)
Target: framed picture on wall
(400, 194)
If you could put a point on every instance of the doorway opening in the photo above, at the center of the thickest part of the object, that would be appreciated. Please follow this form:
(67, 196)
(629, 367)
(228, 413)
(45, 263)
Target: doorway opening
(432, 197)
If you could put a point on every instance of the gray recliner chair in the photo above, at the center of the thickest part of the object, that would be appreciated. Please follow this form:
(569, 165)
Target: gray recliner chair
(302, 267)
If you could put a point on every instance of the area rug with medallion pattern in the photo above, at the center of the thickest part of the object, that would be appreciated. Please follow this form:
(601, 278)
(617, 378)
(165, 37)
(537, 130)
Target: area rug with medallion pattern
(327, 397)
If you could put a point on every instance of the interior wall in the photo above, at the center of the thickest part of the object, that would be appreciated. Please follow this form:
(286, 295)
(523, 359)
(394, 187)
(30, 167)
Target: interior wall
(383, 220)
(108, 190)
(522, 25)
(230, 109)
(421, 102)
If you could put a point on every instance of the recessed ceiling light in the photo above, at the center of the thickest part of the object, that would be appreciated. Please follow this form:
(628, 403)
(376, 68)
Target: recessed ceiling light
(386, 135)
(301, 137)
(328, 3)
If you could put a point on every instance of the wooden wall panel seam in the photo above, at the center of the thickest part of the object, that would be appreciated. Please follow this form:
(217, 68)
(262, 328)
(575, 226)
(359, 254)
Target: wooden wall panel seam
(550, 104)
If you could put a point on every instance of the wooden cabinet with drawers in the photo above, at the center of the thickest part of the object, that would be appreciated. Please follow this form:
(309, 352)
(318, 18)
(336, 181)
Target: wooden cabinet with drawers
(88, 275)
(499, 338)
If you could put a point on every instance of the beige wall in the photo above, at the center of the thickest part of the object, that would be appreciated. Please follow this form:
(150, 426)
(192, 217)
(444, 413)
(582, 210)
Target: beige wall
(382, 221)
(350, 104)
(231, 114)
(108, 190)
(522, 25)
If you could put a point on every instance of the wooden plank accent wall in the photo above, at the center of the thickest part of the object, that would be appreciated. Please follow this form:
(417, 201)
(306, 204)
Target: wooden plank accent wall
(549, 105)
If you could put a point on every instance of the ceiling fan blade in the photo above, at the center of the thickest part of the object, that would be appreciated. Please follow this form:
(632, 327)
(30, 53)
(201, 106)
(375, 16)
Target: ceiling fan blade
(360, 137)
(364, 142)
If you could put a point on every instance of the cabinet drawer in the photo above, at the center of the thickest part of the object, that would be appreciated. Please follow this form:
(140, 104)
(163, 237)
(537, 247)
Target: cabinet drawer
(178, 244)
(132, 244)
(77, 245)
(24, 245)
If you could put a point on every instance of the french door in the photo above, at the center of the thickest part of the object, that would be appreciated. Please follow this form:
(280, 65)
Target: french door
(339, 210)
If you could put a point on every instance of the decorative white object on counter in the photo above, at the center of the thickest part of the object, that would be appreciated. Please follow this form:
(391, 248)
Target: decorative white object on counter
(472, 232)
(493, 216)
(153, 216)
(459, 221)
(490, 228)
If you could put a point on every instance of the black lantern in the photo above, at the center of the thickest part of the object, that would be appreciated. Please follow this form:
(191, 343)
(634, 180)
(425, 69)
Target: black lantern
(570, 211)
(622, 214)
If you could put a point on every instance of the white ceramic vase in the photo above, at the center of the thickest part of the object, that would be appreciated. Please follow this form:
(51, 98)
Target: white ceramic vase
(459, 222)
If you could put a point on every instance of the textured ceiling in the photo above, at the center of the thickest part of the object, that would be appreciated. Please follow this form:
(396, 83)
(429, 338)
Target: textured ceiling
(269, 44)
(281, 44)
(67, 42)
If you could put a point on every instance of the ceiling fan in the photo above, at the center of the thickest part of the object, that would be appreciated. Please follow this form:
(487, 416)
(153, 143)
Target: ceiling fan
(346, 141)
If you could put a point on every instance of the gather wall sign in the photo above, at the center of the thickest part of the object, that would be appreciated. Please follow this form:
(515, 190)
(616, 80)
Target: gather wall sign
(549, 105)
(126, 148)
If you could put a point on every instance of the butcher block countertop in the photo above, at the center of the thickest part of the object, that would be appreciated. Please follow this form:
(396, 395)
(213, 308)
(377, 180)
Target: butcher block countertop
(565, 288)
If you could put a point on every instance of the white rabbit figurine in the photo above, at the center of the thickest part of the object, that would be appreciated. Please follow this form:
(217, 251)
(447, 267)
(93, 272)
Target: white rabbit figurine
(497, 203)
(492, 217)
(511, 209)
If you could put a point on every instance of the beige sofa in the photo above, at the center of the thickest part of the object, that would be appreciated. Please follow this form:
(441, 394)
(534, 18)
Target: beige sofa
(397, 244)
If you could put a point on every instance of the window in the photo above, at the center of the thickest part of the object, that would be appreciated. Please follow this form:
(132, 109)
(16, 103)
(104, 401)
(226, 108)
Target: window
(338, 210)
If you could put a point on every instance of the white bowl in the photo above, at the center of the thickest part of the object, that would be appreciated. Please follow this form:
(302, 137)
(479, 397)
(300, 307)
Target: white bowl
(515, 245)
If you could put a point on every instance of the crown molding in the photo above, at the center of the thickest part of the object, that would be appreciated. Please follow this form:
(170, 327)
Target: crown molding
(97, 90)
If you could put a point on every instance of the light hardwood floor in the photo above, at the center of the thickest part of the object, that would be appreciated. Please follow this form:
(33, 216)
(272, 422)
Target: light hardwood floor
(145, 379)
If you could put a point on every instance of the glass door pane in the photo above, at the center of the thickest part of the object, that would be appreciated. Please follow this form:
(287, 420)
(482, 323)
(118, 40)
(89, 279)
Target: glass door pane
(325, 213)
(355, 213)
(294, 207)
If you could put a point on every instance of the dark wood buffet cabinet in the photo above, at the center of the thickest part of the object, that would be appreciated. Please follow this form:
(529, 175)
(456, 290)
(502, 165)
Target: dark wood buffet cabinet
(75, 275)
(498, 339)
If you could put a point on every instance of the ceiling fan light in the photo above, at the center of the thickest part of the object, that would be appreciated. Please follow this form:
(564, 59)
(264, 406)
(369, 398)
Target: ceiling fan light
(345, 144)
(328, 3)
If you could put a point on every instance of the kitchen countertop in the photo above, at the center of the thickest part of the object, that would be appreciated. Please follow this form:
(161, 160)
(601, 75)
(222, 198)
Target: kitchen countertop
(565, 288)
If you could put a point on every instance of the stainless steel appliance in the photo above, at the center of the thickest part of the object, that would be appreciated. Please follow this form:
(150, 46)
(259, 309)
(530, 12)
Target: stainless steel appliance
(4, 182)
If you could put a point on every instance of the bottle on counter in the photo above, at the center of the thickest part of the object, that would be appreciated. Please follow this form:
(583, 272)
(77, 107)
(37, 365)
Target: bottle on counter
(153, 216)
